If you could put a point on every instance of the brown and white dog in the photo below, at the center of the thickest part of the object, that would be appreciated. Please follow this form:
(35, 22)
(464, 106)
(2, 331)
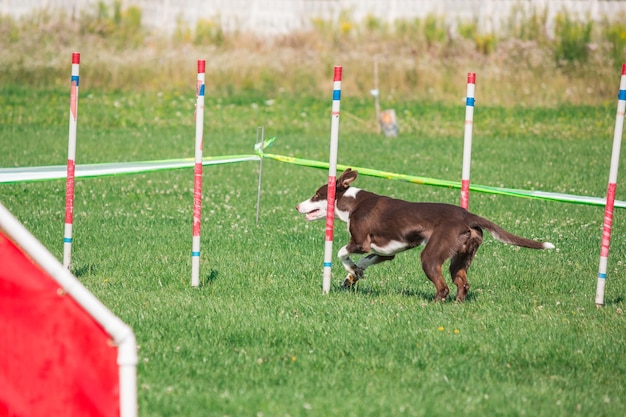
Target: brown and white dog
(382, 226)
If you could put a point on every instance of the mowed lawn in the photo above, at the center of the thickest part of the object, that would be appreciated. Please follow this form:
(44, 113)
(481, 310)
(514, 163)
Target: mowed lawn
(258, 337)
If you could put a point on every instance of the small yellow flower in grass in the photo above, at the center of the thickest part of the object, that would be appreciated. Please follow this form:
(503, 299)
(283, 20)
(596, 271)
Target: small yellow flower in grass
(456, 331)
(293, 359)
(440, 328)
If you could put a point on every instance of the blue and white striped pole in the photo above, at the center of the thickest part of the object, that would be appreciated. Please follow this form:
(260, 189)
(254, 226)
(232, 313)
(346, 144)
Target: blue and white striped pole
(197, 176)
(332, 180)
(467, 142)
(610, 193)
(71, 162)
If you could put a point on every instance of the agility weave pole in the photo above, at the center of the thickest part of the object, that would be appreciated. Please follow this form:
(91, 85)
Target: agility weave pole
(332, 180)
(467, 140)
(610, 193)
(71, 162)
(197, 176)
(258, 146)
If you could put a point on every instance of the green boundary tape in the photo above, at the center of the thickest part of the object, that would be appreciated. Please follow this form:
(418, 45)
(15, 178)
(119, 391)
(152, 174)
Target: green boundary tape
(46, 173)
(539, 195)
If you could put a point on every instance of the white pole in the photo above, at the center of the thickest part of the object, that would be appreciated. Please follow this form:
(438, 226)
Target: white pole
(376, 93)
(467, 141)
(197, 178)
(260, 139)
(610, 193)
(71, 162)
(332, 180)
(127, 362)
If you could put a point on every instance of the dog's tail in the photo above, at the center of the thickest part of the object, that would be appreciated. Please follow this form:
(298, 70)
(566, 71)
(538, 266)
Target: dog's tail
(506, 237)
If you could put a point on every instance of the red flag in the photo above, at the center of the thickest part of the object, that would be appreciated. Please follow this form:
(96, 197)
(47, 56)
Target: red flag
(55, 359)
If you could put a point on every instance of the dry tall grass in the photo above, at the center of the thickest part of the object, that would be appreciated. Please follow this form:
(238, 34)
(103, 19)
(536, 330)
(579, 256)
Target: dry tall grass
(417, 59)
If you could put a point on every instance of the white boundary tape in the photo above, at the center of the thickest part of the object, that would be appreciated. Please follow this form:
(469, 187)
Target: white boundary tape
(42, 173)
(54, 172)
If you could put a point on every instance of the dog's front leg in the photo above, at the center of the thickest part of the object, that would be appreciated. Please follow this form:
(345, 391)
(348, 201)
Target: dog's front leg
(373, 259)
(354, 271)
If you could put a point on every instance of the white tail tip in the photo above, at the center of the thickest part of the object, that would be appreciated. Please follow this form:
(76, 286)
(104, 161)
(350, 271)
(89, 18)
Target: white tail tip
(548, 245)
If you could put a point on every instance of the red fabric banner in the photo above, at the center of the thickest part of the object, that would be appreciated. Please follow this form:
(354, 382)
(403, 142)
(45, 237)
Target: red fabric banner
(55, 359)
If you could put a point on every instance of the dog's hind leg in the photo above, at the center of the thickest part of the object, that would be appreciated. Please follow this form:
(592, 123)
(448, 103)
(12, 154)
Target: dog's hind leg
(433, 256)
(461, 261)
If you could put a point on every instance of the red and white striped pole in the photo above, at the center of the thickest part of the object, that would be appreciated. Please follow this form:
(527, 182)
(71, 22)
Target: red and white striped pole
(332, 180)
(197, 176)
(467, 142)
(610, 193)
(71, 162)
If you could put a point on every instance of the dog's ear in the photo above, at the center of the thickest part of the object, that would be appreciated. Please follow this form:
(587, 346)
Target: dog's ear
(346, 179)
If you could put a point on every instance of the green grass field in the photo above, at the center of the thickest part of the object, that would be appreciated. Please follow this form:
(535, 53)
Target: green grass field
(258, 338)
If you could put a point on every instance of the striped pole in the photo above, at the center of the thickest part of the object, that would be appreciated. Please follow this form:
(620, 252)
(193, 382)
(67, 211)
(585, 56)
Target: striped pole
(467, 142)
(610, 193)
(197, 176)
(260, 141)
(71, 162)
(332, 180)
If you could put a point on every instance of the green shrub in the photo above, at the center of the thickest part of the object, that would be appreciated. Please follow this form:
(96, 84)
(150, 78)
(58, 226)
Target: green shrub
(526, 25)
(485, 43)
(131, 32)
(122, 26)
(572, 39)
(9, 29)
(182, 32)
(208, 33)
(408, 31)
(374, 24)
(615, 35)
(434, 30)
(467, 29)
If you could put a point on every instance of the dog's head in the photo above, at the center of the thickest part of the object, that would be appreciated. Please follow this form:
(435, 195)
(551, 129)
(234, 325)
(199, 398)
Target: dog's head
(316, 207)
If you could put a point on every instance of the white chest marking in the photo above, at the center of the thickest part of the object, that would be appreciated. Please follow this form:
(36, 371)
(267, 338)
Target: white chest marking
(344, 215)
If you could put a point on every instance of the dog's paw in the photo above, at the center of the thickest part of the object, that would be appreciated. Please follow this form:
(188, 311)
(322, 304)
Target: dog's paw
(353, 277)
(441, 295)
(350, 281)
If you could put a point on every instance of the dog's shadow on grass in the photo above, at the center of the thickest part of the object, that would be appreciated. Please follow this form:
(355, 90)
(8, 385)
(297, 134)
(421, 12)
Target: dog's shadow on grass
(406, 292)
(211, 277)
(378, 292)
(84, 270)
(615, 301)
